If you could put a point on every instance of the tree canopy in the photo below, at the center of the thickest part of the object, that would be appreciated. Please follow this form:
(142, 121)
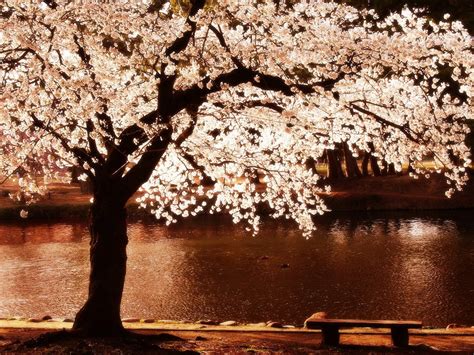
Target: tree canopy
(157, 99)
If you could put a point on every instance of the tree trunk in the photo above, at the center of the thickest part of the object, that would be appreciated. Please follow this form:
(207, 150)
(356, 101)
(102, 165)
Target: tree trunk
(334, 165)
(374, 166)
(100, 315)
(310, 164)
(373, 161)
(384, 170)
(391, 169)
(352, 169)
(365, 164)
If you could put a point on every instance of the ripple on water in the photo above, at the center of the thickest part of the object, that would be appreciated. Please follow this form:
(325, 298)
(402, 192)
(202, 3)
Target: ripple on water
(359, 267)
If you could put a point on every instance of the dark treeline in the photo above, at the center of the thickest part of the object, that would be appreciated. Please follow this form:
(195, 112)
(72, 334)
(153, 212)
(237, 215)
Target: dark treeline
(462, 10)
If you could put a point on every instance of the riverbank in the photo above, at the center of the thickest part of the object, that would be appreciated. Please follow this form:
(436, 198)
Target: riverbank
(16, 335)
(397, 193)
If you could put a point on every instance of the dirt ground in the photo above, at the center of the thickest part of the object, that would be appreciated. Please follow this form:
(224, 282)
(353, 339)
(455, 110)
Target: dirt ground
(193, 338)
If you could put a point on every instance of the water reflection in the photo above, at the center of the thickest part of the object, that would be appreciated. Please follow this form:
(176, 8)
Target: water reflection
(24, 232)
(367, 267)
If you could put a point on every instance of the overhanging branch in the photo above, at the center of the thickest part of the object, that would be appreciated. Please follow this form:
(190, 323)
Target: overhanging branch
(79, 153)
(404, 129)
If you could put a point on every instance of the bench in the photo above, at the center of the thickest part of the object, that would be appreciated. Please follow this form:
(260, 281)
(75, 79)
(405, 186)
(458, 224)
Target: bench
(330, 328)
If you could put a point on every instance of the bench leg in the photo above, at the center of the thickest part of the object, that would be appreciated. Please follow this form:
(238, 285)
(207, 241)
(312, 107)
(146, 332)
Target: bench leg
(330, 336)
(400, 337)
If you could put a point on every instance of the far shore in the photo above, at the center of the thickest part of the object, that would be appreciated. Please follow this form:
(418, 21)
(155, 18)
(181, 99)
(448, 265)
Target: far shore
(389, 193)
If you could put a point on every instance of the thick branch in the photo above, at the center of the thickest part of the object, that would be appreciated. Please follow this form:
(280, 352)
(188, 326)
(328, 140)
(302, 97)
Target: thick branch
(133, 136)
(182, 42)
(129, 141)
(141, 172)
(81, 52)
(92, 143)
(105, 122)
(189, 130)
(51, 3)
(197, 94)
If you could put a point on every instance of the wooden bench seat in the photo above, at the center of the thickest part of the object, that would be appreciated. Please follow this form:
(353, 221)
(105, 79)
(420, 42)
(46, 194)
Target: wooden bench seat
(330, 328)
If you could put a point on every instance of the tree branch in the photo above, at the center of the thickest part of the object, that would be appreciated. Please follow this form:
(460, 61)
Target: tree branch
(79, 153)
(105, 122)
(182, 42)
(92, 143)
(81, 52)
(260, 103)
(141, 172)
(188, 131)
(129, 141)
(197, 94)
(404, 129)
(220, 38)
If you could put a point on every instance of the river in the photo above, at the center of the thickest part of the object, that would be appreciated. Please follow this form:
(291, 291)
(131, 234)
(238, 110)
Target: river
(371, 266)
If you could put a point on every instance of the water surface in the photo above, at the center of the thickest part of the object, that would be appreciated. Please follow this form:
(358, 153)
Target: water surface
(359, 266)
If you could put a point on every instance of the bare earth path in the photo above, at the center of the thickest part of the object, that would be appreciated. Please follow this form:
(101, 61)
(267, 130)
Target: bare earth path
(14, 336)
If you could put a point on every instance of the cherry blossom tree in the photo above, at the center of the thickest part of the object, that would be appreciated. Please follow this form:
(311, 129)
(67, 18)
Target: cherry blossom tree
(154, 97)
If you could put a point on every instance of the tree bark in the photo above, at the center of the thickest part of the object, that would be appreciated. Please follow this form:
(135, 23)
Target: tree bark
(334, 165)
(100, 315)
(373, 161)
(352, 169)
(310, 164)
(365, 164)
(384, 169)
(391, 169)
(374, 166)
